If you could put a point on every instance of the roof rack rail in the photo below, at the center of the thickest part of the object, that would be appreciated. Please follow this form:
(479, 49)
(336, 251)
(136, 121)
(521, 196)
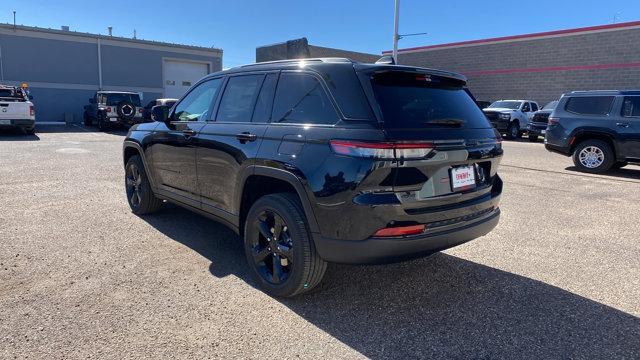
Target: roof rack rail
(292, 61)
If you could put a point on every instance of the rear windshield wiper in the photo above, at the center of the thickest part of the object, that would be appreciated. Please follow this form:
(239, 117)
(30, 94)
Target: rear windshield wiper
(445, 122)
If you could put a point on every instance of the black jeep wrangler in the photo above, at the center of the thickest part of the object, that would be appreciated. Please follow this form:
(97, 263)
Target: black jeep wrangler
(323, 160)
(599, 129)
(113, 108)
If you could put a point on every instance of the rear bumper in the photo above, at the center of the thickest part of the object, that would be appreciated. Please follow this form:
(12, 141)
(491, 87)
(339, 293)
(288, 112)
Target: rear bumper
(25, 123)
(383, 250)
(119, 120)
(537, 128)
(563, 150)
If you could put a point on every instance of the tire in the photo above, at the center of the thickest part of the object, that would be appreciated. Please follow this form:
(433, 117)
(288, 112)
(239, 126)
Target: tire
(126, 110)
(513, 131)
(289, 265)
(102, 124)
(593, 156)
(140, 196)
(86, 119)
(533, 138)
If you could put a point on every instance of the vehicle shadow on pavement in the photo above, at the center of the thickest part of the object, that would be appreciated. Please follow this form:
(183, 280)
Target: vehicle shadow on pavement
(626, 172)
(75, 128)
(437, 307)
(16, 135)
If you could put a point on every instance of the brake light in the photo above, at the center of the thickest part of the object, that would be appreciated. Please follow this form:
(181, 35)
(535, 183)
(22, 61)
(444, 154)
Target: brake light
(108, 109)
(554, 121)
(400, 231)
(140, 110)
(382, 150)
(32, 111)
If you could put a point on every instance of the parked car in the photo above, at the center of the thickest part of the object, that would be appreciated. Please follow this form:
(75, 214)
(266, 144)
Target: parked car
(538, 121)
(16, 109)
(483, 104)
(168, 102)
(380, 164)
(113, 108)
(510, 117)
(600, 129)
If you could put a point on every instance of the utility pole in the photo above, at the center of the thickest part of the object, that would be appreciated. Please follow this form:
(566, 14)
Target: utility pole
(14, 20)
(396, 37)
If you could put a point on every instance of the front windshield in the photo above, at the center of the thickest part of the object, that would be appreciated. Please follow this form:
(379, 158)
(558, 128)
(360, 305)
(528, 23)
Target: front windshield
(115, 99)
(551, 106)
(513, 105)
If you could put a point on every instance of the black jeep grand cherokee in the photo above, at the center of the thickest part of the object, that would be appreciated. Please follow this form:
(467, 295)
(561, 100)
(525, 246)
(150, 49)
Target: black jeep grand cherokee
(323, 160)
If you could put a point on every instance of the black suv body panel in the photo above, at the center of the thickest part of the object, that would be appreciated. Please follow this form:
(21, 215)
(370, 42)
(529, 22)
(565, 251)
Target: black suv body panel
(206, 165)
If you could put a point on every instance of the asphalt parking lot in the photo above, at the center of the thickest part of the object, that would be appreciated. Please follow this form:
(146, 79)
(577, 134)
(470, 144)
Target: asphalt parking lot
(80, 276)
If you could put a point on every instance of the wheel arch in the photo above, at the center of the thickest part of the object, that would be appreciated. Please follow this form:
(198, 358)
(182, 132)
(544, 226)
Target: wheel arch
(258, 181)
(131, 148)
(581, 135)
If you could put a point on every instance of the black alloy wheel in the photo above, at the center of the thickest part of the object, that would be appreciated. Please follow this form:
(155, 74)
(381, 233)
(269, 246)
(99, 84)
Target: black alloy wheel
(140, 196)
(133, 181)
(279, 248)
(272, 248)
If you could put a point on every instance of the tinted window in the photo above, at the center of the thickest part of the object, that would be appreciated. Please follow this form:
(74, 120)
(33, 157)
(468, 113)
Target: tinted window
(551, 106)
(238, 98)
(262, 111)
(631, 106)
(301, 99)
(525, 107)
(408, 101)
(534, 107)
(589, 105)
(115, 99)
(195, 106)
(150, 104)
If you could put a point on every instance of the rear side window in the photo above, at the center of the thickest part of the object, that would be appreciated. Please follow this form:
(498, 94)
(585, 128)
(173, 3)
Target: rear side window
(589, 105)
(300, 99)
(631, 106)
(409, 100)
(238, 98)
(534, 107)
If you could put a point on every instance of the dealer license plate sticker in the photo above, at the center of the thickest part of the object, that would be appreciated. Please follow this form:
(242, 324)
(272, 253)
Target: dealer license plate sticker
(463, 178)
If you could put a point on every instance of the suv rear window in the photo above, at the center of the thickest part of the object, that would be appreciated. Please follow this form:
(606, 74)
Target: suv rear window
(589, 105)
(115, 99)
(411, 100)
(11, 93)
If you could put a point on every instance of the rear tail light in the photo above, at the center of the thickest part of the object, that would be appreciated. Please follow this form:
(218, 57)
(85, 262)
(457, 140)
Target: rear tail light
(382, 150)
(108, 109)
(32, 111)
(140, 110)
(554, 121)
(400, 231)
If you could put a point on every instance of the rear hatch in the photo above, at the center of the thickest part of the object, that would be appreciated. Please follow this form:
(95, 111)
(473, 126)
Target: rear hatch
(437, 112)
(14, 105)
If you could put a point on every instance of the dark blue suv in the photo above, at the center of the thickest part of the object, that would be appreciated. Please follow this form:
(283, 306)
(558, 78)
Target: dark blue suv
(599, 129)
(323, 160)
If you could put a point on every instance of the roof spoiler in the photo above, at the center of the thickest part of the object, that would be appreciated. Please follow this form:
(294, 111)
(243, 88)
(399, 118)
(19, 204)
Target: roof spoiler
(387, 59)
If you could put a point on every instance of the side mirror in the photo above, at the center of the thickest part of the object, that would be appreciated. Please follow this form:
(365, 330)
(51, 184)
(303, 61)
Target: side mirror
(92, 101)
(160, 113)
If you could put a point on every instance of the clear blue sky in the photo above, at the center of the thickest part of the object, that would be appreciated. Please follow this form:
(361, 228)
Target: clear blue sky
(239, 26)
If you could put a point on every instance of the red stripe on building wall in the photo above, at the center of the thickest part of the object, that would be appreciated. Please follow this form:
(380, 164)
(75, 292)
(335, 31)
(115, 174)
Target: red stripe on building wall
(524, 36)
(552, 68)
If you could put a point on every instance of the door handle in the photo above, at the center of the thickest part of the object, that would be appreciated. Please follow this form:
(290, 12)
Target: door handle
(246, 136)
(621, 124)
(189, 132)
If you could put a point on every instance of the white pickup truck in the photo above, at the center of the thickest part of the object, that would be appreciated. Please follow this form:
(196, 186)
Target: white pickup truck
(16, 109)
(510, 117)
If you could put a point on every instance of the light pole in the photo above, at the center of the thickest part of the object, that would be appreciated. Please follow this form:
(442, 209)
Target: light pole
(396, 37)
